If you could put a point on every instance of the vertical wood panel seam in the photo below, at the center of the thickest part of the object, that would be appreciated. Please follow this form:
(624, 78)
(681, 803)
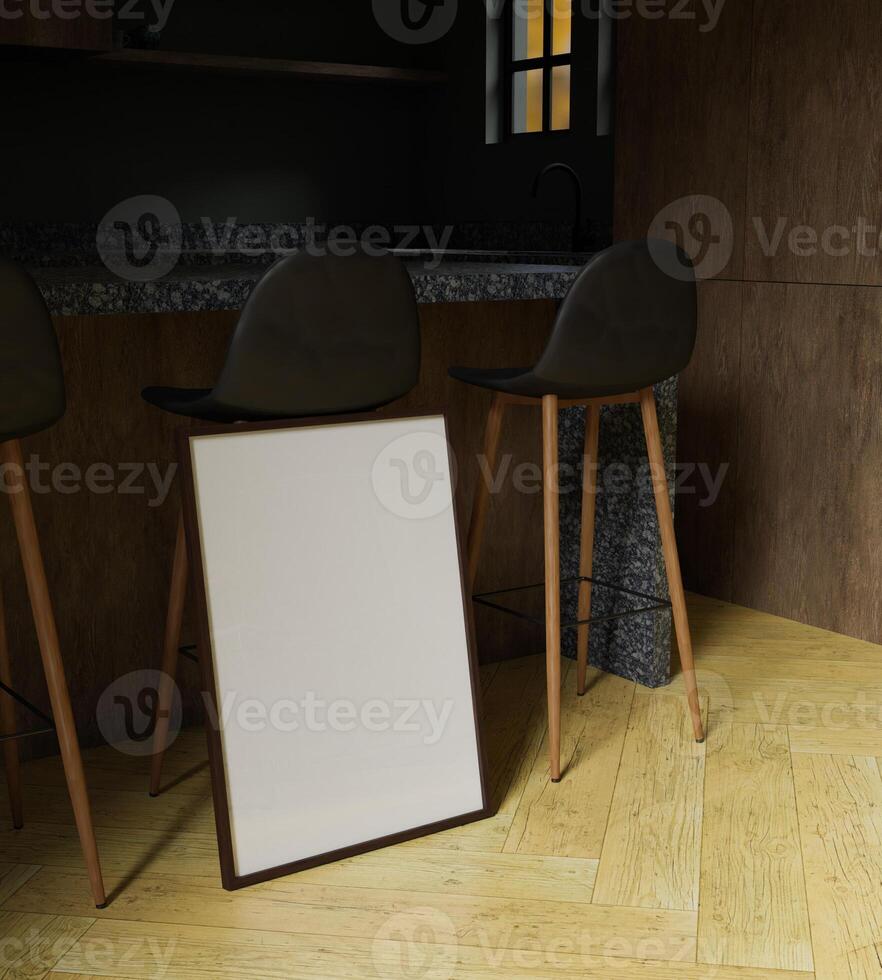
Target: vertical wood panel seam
(747, 162)
(739, 368)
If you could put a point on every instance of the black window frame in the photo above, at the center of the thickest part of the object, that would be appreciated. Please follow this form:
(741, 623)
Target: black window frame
(547, 62)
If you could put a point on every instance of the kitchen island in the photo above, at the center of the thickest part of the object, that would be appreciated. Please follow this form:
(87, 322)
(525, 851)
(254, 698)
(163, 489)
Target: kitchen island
(108, 550)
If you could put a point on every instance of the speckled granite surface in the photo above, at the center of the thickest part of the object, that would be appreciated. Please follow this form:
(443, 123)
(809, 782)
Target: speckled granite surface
(627, 547)
(216, 239)
(91, 290)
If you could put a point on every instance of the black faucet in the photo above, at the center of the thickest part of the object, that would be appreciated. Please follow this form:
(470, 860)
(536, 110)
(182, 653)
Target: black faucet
(577, 184)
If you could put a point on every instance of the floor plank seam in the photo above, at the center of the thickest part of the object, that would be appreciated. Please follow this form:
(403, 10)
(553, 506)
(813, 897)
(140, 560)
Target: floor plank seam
(801, 852)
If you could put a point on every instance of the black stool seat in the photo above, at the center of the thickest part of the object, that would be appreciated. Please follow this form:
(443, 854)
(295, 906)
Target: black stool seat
(193, 403)
(319, 335)
(628, 322)
(201, 403)
(527, 384)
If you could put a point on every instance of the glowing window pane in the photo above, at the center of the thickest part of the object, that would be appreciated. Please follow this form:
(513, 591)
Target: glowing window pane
(560, 97)
(527, 104)
(562, 37)
(529, 29)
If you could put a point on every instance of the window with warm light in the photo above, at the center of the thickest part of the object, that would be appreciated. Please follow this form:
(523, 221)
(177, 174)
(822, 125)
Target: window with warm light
(538, 65)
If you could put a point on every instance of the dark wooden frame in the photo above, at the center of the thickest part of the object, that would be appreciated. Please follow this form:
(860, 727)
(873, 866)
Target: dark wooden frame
(232, 881)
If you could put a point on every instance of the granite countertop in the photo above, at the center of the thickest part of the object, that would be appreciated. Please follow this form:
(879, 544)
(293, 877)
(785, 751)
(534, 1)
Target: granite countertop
(94, 289)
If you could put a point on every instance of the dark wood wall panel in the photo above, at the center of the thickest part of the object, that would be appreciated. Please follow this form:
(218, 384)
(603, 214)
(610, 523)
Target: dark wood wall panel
(707, 441)
(809, 520)
(81, 31)
(682, 113)
(108, 555)
(777, 112)
(816, 137)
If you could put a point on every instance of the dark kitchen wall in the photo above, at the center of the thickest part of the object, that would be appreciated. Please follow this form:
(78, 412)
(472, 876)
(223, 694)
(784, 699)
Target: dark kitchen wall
(78, 137)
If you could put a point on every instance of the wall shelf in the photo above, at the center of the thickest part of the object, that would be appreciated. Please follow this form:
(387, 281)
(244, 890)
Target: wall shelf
(268, 67)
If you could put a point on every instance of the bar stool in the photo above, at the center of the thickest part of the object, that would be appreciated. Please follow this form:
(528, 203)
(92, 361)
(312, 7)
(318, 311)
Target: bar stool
(32, 399)
(624, 326)
(319, 335)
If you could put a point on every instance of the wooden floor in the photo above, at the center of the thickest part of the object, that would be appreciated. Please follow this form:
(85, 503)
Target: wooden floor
(757, 856)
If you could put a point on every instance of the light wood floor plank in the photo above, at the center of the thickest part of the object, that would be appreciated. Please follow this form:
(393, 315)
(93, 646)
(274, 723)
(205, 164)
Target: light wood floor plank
(512, 709)
(753, 902)
(13, 876)
(845, 741)
(135, 850)
(31, 945)
(288, 906)
(185, 767)
(122, 851)
(118, 810)
(426, 869)
(194, 953)
(652, 848)
(487, 673)
(840, 817)
(569, 818)
(802, 695)
(727, 630)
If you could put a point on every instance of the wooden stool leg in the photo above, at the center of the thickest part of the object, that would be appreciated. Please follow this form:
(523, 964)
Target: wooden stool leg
(7, 721)
(552, 578)
(174, 618)
(482, 491)
(586, 563)
(672, 559)
(47, 634)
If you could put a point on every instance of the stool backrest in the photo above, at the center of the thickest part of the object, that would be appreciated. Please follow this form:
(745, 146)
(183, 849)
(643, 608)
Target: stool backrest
(31, 378)
(324, 335)
(628, 321)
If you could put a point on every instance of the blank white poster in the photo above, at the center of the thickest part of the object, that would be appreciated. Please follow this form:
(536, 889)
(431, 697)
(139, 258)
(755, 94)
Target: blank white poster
(338, 634)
